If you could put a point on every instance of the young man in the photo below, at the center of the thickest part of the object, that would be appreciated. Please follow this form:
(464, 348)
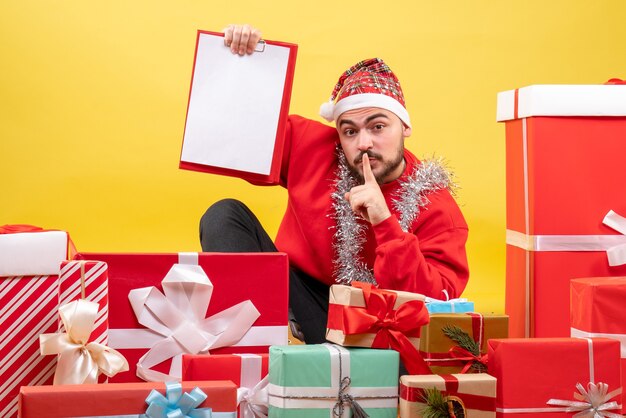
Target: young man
(360, 206)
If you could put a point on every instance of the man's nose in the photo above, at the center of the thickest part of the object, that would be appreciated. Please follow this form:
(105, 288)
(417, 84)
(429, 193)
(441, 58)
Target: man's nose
(364, 141)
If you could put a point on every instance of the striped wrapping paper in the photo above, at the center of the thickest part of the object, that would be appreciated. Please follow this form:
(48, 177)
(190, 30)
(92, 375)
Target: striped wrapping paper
(28, 307)
(88, 280)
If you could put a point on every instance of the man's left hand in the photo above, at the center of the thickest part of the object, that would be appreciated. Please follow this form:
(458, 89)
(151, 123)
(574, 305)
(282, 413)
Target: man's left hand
(367, 200)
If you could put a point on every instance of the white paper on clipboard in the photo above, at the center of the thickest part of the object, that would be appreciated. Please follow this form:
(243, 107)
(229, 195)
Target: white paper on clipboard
(234, 106)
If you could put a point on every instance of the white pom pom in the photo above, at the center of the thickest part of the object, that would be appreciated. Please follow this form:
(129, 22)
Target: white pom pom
(326, 110)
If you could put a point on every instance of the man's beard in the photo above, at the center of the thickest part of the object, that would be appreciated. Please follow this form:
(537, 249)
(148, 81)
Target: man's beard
(388, 166)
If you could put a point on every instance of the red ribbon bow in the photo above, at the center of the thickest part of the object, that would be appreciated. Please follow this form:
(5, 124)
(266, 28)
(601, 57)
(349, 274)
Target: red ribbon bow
(14, 229)
(391, 326)
(462, 354)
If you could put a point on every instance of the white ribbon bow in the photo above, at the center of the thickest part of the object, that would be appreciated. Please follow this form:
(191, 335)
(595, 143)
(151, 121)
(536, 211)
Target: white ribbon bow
(80, 362)
(591, 403)
(617, 254)
(179, 317)
(254, 401)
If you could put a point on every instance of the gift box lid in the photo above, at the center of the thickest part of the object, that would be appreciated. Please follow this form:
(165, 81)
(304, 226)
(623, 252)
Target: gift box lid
(597, 306)
(562, 100)
(449, 306)
(32, 253)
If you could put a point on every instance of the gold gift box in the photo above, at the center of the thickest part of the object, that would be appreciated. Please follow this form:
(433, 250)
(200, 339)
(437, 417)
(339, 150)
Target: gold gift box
(435, 345)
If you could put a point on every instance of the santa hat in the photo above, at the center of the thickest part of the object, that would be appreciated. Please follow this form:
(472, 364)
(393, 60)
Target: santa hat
(369, 83)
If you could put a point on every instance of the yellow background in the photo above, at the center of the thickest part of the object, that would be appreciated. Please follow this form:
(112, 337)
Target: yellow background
(93, 96)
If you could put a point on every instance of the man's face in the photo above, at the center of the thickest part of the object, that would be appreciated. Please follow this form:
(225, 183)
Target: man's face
(380, 134)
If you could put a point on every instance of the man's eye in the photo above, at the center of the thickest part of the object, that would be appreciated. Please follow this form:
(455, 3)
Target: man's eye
(379, 126)
(349, 132)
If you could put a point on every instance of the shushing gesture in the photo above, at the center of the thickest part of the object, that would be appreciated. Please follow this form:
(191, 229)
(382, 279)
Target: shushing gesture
(367, 200)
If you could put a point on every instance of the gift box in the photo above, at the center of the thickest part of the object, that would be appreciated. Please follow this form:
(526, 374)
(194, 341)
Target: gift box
(330, 380)
(449, 306)
(124, 399)
(598, 311)
(29, 299)
(473, 394)
(363, 316)
(245, 294)
(564, 145)
(88, 280)
(545, 376)
(247, 371)
(444, 355)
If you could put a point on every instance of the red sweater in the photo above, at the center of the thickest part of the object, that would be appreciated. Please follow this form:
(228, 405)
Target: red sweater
(427, 259)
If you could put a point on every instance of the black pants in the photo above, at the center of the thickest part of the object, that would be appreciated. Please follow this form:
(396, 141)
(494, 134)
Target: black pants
(229, 226)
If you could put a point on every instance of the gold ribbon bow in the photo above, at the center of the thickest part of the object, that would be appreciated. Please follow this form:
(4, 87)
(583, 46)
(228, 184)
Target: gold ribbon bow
(79, 361)
(591, 403)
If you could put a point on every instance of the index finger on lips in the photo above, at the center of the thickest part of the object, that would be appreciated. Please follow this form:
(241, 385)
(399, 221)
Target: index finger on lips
(368, 175)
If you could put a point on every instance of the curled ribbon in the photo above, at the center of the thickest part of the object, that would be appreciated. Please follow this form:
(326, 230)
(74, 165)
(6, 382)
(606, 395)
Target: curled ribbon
(591, 403)
(460, 353)
(178, 316)
(616, 254)
(254, 401)
(391, 326)
(176, 404)
(79, 361)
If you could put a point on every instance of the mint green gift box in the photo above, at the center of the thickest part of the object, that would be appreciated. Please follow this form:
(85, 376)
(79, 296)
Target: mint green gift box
(307, 381)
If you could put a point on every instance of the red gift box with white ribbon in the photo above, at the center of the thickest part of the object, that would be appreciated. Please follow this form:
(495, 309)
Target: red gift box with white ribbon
(247, 371)
(555, 377)
(162, 306)
(564, 174)
(597, 310)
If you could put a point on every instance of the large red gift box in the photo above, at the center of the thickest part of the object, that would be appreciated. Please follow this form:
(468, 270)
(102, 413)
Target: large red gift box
(598, 311)
(247, 371)
(534, 371)
(261, 278)
(29, 299)
(116, 399)
(564, 173)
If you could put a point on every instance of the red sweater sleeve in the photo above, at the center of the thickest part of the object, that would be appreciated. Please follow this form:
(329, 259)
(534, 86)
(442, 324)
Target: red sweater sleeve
(428, 259)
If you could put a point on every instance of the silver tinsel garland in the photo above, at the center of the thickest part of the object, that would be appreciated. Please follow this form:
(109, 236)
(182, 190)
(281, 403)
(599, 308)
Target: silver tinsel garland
(349, 236)
(430, 177)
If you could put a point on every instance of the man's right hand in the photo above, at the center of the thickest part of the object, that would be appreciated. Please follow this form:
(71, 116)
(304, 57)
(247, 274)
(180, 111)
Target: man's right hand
(241, 39)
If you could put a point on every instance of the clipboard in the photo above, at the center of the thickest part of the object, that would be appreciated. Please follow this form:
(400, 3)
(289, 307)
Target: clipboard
(237, 109)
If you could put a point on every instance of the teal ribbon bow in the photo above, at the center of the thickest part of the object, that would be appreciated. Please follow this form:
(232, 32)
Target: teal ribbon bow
(176, 404)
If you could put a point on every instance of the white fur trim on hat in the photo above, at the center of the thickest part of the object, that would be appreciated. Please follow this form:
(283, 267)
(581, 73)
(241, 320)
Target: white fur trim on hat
(326, 110)
(359, 101)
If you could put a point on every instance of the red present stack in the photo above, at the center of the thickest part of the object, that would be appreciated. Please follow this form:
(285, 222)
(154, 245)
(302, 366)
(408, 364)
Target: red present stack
(29, 299)
(564, 149)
